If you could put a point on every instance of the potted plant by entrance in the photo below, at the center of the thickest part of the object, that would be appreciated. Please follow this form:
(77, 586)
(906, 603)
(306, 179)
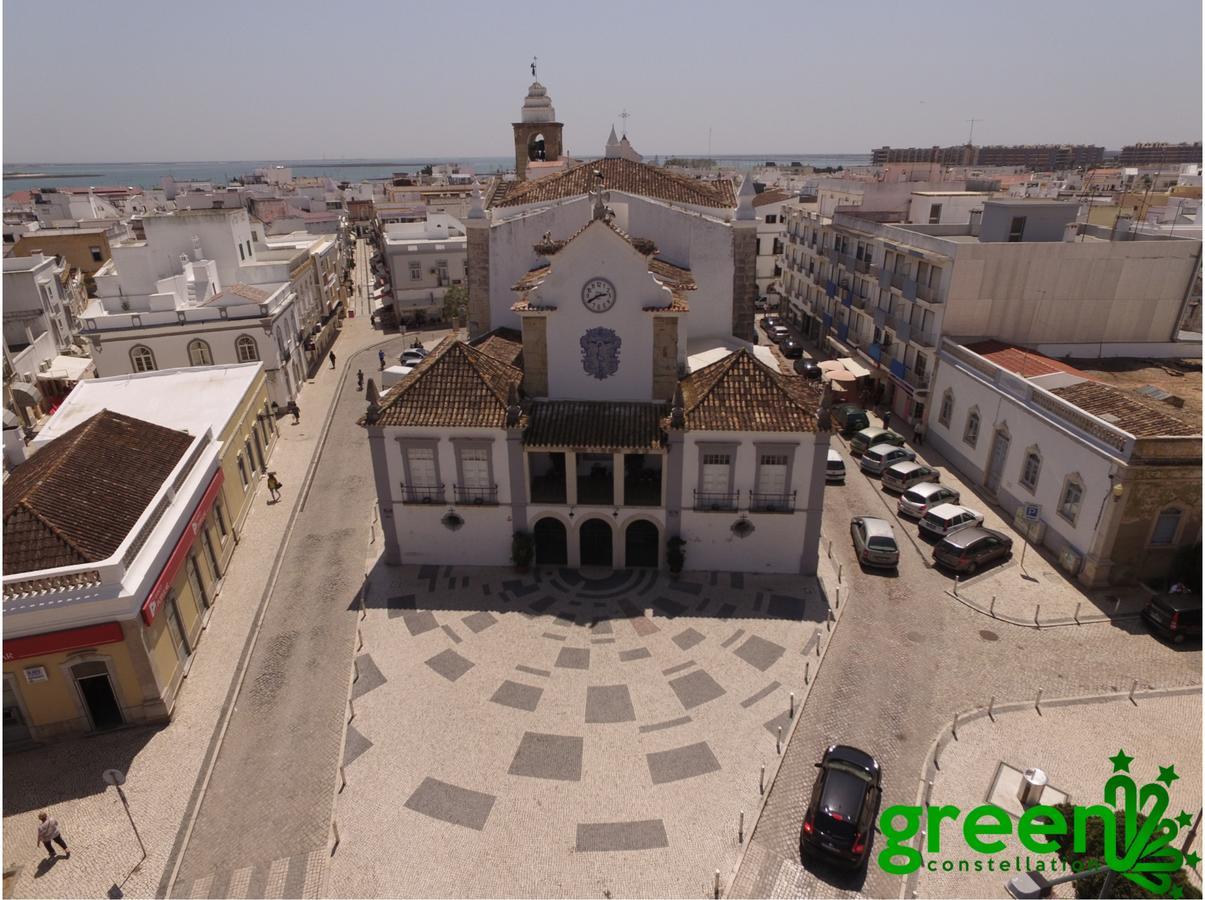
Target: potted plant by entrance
(675, 554)
(522, 550)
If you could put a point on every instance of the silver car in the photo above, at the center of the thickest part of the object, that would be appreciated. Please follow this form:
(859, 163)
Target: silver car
(874, 542)
(948, 518)
(903, 475)
(880, 456)
(920, 498)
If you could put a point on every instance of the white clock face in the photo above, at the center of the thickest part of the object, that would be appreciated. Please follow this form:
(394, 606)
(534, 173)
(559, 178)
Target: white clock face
(598, 295)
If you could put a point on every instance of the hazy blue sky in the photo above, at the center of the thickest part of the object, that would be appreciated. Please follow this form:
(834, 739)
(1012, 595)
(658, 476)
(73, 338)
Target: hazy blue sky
(166, 80)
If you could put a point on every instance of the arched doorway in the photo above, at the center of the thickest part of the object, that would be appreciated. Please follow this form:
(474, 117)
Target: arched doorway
(552, 544)
(641, 545)
(595, 541)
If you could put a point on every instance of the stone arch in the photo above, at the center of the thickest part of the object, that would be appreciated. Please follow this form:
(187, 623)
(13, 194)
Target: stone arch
(551, 538)
(596, 538)
(641, 543)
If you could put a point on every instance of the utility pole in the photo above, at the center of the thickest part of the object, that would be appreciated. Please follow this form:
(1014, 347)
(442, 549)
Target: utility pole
(971, 136)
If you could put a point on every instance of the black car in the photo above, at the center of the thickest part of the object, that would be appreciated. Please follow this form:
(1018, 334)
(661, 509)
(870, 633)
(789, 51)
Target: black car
(1175, 616)
(791, 348)
(971, 548)
(808, 369)
(840, 818)
(768, 322)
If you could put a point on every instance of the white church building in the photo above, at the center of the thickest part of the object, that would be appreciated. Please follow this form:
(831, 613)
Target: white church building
(611, 396)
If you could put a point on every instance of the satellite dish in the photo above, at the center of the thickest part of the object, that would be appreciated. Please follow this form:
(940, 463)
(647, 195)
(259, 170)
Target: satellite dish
(114, 777)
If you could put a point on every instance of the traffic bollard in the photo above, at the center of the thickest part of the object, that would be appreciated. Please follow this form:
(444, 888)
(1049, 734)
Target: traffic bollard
(1038, 703)
(792, 714)
(778, 743)
(740, 834)
(761, 786)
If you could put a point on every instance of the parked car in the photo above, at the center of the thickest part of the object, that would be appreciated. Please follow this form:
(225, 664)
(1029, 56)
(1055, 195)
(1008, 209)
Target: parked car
(871, 435)
(791, 348)
(845, 799)
(834, 468)
(808, 369)
(769, 322)
(903, 475)
(918, 500)
(850, 418)
(947, 518)
(969, 549)
(1176, 617)
(880, 456)
(778, 333)
(412, 357)
(874, 542)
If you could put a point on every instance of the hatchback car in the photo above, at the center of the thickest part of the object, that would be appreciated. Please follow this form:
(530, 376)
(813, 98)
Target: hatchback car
(778, 333)
(840, 818)
(903, 475)
(970, 549)
(1175, 616)
(851, 418)
(808, 369)
(412, 358)
(834, 467)
(874, 542)
(791, 348)
(880, 456)
(918, 500)
(947, 518)
(870, 436)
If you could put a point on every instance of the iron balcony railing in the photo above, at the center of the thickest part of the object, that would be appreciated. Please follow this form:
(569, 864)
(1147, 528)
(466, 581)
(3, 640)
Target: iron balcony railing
(422, 494)
(477, 496)
(716, 501)
(773, 503)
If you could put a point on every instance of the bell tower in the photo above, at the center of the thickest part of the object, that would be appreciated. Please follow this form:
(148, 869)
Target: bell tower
(537, 133)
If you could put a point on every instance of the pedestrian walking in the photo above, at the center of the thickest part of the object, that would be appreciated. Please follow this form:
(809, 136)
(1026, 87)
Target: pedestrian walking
(359, 379)
(296, 411)
(381, 357)
(332, 359)
(48, 831)
(274, 486)
(918, 434)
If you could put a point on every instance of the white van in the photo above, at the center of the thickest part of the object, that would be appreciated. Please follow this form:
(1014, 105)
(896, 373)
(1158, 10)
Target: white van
(834, 468)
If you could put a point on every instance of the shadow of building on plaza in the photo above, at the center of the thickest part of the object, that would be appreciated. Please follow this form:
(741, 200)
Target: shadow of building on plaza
(594, 594)
(44, 775)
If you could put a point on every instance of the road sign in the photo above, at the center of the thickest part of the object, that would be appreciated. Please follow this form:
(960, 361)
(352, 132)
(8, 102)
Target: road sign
(114, 777)
(1033, 512)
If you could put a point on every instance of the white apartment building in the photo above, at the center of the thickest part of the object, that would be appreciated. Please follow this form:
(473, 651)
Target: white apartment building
(423, 260)
(1022, 271)
(771, 229)
(199, 291)
(41, 364)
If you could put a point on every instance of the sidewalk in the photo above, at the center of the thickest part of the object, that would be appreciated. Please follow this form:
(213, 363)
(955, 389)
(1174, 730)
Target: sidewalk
(162, 764)
(1071, 740)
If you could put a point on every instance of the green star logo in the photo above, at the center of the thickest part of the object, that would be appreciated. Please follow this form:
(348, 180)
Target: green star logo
(1192, 859)
(1167, 774)
(1121, 762)
(1184, 819)
(1176, 893)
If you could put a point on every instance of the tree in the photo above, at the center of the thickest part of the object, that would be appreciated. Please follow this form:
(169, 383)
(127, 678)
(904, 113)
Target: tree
(456, 301)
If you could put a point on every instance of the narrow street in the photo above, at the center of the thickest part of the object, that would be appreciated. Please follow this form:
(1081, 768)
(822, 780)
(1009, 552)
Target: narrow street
(904, 659)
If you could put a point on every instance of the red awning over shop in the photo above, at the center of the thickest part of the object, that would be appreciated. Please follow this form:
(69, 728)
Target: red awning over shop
(154, 600)
(62, 641)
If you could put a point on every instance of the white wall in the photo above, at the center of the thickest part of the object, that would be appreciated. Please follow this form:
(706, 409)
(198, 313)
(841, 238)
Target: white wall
(1063, 453)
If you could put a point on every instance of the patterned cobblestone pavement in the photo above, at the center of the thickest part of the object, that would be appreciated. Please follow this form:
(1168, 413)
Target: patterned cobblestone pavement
(561, 734)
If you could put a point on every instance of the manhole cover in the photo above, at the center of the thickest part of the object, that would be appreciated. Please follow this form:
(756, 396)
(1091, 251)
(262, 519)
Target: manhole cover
(915, 637)
(988, 635)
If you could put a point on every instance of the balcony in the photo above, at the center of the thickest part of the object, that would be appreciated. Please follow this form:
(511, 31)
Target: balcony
(477, 496)
(772, 503)
(423, 495)
(712, 501)
(924, 338)
(901, 326)
(927, 293)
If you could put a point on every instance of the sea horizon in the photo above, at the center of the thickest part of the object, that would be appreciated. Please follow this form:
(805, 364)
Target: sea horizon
(22, 176)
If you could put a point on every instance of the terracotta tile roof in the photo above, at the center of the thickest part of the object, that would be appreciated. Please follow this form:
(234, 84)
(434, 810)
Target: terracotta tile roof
(457, 385)
(618, 175)
(740, 393)
(532, 278)
(597, 425)
(765, 198)
(525, 305)
(246, 291)
(1123, 410)
(75, 500)
(1018, 360)
(672, 276)
(503, 344)
(677, 304)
